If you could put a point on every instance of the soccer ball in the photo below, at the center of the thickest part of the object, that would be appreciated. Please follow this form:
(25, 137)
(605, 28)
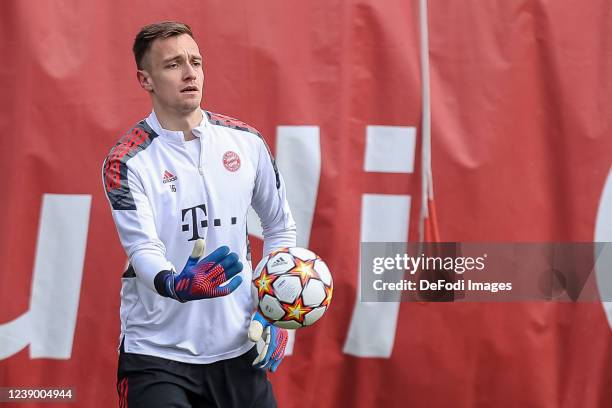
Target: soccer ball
(292, 287)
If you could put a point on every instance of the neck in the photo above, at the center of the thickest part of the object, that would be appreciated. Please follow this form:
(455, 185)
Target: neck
(181, 122)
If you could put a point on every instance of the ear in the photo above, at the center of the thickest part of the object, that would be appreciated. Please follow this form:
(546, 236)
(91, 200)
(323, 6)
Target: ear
(145, 80)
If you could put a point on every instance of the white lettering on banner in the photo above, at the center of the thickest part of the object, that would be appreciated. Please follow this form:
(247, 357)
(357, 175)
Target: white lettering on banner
(390, 149)
(603, 233)
(49, 325)
(384, 218)
(298, 157)
(299, 160)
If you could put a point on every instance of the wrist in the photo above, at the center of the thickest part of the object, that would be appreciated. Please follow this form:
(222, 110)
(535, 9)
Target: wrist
(164, 285)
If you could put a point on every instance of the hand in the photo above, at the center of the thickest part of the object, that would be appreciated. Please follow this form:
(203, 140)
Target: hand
(203, 279)
(275, 341)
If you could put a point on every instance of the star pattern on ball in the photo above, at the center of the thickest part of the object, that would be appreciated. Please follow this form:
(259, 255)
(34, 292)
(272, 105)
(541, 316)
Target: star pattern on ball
(277, 251)
(305, 269)
(296, 311)
(264, 283)
(328, 296)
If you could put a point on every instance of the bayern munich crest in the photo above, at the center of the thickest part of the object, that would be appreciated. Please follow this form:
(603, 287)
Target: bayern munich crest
(231, 161)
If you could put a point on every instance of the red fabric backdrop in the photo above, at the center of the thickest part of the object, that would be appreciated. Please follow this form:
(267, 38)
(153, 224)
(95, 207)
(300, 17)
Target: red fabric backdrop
(521, 110)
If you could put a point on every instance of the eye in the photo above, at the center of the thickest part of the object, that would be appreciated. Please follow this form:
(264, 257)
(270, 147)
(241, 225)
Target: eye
(197, 63)
(174, 65)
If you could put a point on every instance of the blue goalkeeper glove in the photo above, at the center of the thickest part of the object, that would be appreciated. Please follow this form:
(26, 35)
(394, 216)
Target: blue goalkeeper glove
(275, 342)
(212, 277)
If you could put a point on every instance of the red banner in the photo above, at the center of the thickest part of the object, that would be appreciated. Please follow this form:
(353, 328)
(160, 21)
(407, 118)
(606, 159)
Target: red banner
(521, 151)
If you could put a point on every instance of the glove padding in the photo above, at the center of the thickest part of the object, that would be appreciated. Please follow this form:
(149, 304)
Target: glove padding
(275, 342)
(212, 277)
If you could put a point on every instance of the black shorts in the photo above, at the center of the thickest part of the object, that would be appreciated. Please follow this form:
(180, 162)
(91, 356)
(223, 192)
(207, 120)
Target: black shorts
(146, 381)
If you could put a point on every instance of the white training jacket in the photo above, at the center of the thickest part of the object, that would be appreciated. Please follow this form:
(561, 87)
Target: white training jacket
(163, 198)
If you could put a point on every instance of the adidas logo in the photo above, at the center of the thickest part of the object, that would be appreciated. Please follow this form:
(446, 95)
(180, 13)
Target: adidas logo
(168, 177)
(278, 262)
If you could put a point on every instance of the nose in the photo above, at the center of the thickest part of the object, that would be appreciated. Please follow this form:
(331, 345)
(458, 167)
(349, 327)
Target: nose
(189, 73)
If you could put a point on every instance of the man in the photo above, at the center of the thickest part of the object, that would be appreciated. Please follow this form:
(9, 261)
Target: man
(179, 178)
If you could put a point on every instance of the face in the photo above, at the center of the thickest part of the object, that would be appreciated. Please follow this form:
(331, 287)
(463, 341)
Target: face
(173, 74)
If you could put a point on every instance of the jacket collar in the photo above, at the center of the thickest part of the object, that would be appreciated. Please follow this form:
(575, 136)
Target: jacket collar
(176, 136)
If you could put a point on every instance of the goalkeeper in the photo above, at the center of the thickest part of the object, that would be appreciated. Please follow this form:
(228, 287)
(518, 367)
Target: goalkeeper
(179, 184)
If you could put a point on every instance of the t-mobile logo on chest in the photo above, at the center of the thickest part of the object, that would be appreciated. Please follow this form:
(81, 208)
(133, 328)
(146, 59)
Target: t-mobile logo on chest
(198, 220)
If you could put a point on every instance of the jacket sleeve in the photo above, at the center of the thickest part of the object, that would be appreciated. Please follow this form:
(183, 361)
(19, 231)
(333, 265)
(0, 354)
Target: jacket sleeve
(270, 203)
(133, 216)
